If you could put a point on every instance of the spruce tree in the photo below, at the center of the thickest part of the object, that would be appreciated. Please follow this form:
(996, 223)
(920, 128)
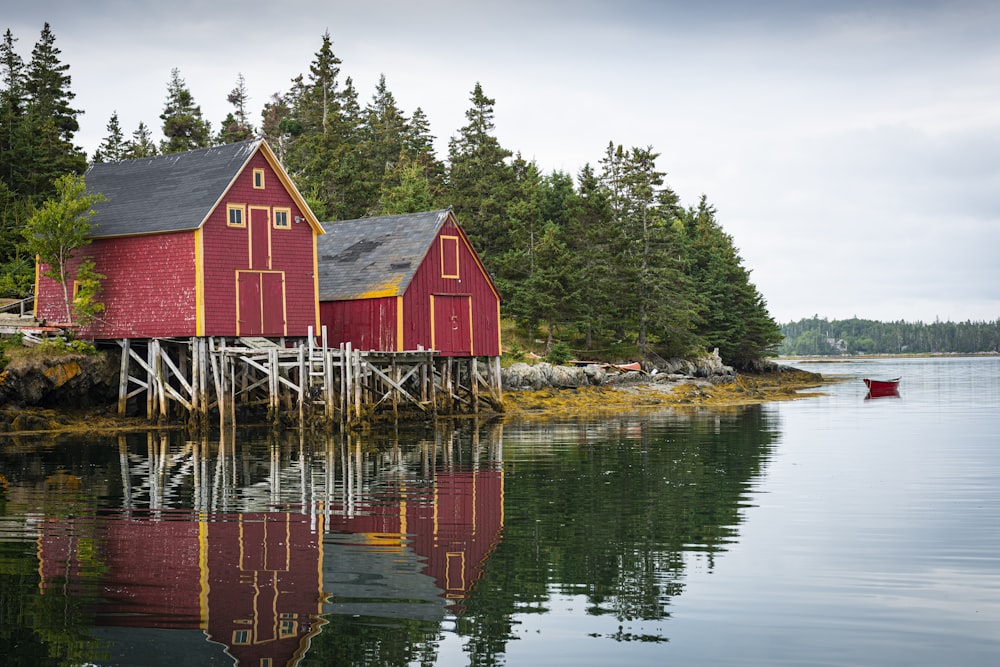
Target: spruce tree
(141, 144)
(733, 315)
(14, 136)
(51, 121)
(113, 148)
(183, 125)
(320, 138)
(236, 126)
(480, 178)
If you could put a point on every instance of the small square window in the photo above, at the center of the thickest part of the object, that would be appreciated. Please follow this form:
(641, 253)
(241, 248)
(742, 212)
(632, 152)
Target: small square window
(241, 637)
(258, 179)
(281, 218)
(235, 216)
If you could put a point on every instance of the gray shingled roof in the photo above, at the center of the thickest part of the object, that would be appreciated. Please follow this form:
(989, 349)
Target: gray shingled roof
(166, 193)
(374, 256)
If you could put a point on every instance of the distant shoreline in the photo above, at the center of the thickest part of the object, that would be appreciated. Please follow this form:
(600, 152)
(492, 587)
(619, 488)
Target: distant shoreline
(844, 358)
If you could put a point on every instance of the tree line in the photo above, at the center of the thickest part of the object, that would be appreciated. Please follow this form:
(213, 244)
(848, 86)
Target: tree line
(819, 336)
(607, 261)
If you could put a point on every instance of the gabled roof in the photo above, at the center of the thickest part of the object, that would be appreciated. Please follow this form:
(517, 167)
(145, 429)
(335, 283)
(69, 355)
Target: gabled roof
(176, 192)
(374, 257)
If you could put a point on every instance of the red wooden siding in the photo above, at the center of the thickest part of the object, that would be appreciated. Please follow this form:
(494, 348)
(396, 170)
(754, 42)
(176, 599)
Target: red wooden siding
(472, 283)
(367, 324)
(450, 305)
(148, 291)
(285, 256)
(190, 284)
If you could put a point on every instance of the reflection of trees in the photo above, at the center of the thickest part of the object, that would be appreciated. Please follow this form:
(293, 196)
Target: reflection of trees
(163, 498)
(610, 513)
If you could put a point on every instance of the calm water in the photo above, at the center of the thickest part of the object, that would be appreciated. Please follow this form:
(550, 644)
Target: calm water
(833, 530)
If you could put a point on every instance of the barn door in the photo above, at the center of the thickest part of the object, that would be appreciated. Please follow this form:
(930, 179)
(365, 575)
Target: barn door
(451, 330)
(261, 303)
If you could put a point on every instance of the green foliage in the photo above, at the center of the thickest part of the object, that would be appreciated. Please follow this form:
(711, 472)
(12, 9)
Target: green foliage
(58, 229)
(183, 125)
(731, 313)
(88, 285)
(559, 354)
(610, 259)
(817, 336)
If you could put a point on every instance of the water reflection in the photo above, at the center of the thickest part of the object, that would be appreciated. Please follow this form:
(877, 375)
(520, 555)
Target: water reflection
(400, 548)
(254, 548)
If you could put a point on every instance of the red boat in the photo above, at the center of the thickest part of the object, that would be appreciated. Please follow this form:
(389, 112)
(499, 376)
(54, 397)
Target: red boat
(878, 388)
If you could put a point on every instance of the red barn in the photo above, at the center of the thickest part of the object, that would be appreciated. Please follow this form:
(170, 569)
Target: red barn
(212, 242)
(402, 282)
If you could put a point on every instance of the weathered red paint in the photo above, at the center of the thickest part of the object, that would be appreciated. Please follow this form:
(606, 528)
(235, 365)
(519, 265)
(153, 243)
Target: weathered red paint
(368, 324)
(449, 280)
(151, 288)
(254, 581)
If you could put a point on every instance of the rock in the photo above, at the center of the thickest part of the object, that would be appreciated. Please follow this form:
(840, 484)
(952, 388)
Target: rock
(65, 381)
(522, 376)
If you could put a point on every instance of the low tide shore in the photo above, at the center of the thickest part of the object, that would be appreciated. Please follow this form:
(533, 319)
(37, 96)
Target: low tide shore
(682, 394)
(689, 393)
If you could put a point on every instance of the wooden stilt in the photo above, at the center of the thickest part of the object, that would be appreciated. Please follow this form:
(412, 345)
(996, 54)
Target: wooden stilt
(123, 377)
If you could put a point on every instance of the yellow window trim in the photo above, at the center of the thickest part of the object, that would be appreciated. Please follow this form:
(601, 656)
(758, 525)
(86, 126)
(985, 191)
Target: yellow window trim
(258, 179)
(242, 208)
(454, 241)
(275, 214)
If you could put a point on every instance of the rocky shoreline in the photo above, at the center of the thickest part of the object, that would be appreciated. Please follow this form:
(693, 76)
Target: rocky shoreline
(78, 392)
(522, 376)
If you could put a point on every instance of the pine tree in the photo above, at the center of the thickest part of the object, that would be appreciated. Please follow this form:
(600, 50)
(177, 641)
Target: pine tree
(141, 144)
(236, 126)
(411, 191)
(733, 314)
(480, 178)
(14, 145)
(382, 143)
(320, 138)
(113, 148)
(51, 121)
(183, 125)
(657, 297)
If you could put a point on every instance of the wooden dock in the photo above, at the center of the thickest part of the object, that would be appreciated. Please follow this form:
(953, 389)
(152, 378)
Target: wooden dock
(299, 381)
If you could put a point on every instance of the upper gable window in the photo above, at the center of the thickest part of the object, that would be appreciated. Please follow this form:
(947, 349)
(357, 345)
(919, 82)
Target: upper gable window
(236, 215)
(258, 179)
(282, 218)
(449, 257)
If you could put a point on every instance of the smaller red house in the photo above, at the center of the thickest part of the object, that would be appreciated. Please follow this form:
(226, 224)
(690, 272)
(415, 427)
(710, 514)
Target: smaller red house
(405, 282)
(211, 242)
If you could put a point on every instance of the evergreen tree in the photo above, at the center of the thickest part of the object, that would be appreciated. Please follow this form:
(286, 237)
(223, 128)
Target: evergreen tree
(480, 179)
(278, 127)
(114, 146)
(183, 125)
(320, 137)
(236, 126)
(656, 300)
(537, 273)
(411, 192)
(382, 142)
(51, 121)
(141, 144)
(590, 236)
(14, 146)
(733, 314)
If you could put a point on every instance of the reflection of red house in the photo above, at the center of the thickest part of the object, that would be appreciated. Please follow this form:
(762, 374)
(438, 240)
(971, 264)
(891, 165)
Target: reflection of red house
(257, 583)
(403, 282)
(212, 242)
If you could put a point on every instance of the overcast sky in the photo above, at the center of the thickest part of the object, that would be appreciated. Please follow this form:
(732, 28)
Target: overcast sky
(852, 149)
